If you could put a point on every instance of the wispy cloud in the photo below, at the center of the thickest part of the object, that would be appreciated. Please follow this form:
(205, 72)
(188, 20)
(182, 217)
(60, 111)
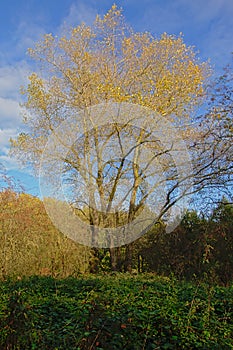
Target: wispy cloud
(5, 159)
(79, 12)
(205, 24)
(28, 32)
(9, 163)
(12, 77)
(205, 11)
(5, 134)
(9, 112)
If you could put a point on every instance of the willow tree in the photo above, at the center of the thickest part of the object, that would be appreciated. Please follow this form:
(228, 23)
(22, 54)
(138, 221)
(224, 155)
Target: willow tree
(101, 65)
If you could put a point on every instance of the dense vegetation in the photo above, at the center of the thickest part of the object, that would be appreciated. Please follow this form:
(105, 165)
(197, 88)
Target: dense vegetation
(114, 312)
(200, 247)
(162, 291)
(29, 242)
(66, 307)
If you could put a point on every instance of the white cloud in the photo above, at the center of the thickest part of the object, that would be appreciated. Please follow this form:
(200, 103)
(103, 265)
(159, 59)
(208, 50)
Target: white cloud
(27, 34)
(27, 31)
(80, 12)
(12, 77)
(9, 113)
(5, 135)
(9, 163)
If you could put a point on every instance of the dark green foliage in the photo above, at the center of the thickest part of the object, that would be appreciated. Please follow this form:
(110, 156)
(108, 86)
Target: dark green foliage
(114, 312)
(221, 232)
(199, 247)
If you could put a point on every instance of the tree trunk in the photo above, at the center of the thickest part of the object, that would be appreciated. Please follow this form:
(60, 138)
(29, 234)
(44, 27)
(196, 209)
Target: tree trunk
(115, 256)
(94, 261)
(129, 258)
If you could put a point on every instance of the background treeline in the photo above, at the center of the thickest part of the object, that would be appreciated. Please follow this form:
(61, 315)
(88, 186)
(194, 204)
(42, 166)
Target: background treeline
(201, 246)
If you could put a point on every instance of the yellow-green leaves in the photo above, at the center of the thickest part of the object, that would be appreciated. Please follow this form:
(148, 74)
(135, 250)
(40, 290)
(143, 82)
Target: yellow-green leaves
(108, 62)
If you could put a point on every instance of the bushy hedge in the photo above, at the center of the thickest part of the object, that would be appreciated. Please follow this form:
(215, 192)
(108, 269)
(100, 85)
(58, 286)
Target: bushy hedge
(114, 312)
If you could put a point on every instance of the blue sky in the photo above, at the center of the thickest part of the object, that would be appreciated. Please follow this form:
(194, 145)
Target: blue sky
(207, 25)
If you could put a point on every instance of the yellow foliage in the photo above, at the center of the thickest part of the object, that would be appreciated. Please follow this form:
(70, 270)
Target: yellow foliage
(108, 61)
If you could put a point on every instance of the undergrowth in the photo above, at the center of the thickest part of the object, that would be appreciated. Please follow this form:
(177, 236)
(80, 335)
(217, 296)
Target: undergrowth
(114, 312)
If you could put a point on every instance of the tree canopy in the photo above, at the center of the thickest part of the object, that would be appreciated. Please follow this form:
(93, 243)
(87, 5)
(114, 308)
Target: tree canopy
(116, 108)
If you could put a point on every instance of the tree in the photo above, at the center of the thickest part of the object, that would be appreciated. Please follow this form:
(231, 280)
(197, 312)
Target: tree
(221, 231)
(217, 124)
(120, 169)
(8, 182)
(200, 247)
(180, 252)
(29, 243)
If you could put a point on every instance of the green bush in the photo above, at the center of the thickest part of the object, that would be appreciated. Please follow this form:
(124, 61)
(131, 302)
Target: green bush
(114, 312)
